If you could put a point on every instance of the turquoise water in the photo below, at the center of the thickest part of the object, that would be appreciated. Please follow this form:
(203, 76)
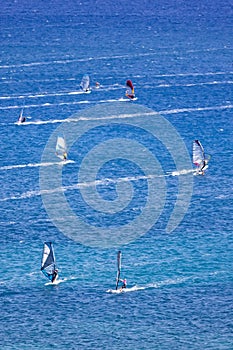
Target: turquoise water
(180, 283)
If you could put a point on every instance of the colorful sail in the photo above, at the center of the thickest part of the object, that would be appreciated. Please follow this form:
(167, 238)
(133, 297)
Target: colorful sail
(198, 153)
(48, 264)
(85, 83)
(129, 84)
(130, 90)
(61, 149)
(118, 268)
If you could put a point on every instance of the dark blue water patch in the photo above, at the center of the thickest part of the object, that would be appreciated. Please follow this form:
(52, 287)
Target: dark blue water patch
(119, 168)
(194, 312)
(113, 131)
(114, 170)
(108, 192)
(166, 12)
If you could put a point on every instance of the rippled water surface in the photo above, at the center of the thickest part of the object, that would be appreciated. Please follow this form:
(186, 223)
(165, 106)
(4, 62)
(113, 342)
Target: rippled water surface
(179, 58)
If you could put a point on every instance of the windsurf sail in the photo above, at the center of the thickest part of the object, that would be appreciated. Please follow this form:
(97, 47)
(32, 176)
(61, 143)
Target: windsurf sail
(85, 83)
(21, 118)
(61, 149)
(129, 84)
(48, 263)
(198, 153)
(130, 92)
(199, 157)
(118, 268)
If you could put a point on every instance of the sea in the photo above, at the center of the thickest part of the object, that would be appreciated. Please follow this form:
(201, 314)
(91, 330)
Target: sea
(129, 183)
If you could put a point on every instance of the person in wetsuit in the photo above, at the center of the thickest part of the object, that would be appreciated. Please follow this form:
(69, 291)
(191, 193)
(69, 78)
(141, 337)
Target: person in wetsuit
(124, 283)
(55, 275)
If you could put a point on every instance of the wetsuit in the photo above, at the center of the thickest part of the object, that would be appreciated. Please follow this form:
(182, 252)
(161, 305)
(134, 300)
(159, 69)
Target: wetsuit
(124, 284)
(54, 276)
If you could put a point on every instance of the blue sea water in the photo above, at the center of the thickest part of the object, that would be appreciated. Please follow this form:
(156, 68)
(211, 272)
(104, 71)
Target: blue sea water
(179, 57)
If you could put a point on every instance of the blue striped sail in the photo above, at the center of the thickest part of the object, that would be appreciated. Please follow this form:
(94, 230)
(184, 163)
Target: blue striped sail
(48, 263)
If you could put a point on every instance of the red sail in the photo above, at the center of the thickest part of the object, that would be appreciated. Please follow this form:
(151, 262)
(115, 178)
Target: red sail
(130, 84)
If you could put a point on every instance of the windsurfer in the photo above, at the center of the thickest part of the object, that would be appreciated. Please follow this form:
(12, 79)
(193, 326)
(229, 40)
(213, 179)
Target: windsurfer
(64, 156)
(22, 120)
(54, 275)
(131, 96)
(199, 158)
(124, 283)
(85, 83)
(130, 92)
(202, 172)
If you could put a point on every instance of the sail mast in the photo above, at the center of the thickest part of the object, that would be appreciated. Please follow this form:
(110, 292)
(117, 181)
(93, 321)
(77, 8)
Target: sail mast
(118, 268)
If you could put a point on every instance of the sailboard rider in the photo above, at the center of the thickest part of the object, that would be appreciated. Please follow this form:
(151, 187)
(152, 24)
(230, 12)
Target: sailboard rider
(201, 171)
(64, 156)
(124, 283)
(48, 263)
(21, 118)
(130, 92)
(199, 158)
(61, 148)
(85, 83)
(54, 275)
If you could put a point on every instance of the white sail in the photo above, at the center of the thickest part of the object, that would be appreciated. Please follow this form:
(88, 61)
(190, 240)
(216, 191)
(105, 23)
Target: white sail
(199, 157)
(85, 83)
(61, 149)
(21, 118)
(198, 153)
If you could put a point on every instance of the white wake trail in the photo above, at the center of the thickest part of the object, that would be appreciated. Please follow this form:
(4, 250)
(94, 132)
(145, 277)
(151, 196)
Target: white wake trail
(125, 116)
(88, 184)
(32, 165)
